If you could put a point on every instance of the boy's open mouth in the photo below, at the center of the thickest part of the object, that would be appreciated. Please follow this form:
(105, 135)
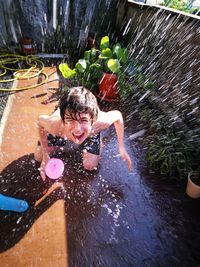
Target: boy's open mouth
(78, 137)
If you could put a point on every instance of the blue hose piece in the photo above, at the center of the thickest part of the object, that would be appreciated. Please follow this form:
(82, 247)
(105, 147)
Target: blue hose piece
(12, 204)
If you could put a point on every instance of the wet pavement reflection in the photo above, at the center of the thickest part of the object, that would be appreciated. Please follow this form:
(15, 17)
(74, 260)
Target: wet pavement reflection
(118, 218)
(114, 218)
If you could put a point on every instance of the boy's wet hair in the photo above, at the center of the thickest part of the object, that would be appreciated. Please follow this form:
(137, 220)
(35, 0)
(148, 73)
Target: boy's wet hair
(78, 100)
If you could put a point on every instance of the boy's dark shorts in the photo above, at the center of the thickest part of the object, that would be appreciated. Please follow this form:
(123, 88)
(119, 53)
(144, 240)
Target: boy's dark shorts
(91, 144)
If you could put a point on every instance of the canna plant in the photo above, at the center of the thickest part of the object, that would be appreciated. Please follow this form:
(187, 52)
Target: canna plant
(89, 70)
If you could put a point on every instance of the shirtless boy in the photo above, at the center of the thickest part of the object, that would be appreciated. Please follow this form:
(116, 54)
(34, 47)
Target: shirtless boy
(78, 119)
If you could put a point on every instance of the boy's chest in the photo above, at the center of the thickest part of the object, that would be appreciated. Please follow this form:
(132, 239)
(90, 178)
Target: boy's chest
(58, 141)
(58, 134)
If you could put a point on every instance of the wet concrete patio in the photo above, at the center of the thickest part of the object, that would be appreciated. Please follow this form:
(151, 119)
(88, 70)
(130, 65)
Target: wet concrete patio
(109, 217)
(28, 239)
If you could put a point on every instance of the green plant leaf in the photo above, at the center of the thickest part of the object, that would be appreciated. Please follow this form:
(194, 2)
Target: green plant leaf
(117, 50)
(106, 53)
(96, 71)
(93, 55)
(96, 66)
(87, 55)
(105, 43)
(124, 57)
(66, 71)
(114, 65)
(81, 65)
(93, 52)
(116, 47)
(121, 53)
(165, 168)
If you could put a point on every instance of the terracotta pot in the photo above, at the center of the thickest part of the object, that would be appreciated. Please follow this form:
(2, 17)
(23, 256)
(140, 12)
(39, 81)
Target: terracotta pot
(26, 41)
(192, 189)
(27, 46)
(108, 87)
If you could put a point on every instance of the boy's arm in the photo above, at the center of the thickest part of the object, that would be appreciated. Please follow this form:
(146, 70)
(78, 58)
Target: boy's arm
(115, 117)
(42, 121)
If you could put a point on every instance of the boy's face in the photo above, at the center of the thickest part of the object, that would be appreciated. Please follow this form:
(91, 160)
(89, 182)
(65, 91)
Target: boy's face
(78, 127)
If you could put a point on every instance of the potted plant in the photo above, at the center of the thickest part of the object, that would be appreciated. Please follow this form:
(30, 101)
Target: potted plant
(193, 183)
(101, 70)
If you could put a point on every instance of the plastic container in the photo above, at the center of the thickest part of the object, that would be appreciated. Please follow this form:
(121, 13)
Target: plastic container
(54, 168)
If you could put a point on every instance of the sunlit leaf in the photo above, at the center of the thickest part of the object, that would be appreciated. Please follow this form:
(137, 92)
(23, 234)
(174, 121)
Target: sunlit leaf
(106, 53)
(105, 43)
(66, 71)
(114, 65)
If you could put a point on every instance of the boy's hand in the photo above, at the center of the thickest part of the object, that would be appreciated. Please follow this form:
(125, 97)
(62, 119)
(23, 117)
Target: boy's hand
(42, 171)
(42, 167)
(125, 156)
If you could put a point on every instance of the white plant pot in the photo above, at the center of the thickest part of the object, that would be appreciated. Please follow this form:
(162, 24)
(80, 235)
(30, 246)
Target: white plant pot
(192, 189)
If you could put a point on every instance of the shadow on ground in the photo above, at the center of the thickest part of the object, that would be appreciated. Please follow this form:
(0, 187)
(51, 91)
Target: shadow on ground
(20, 179)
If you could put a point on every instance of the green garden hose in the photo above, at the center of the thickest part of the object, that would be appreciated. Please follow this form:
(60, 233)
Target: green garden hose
(19, 74)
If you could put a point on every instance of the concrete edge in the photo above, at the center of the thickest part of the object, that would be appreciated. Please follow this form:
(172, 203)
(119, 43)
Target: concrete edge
(6, 113)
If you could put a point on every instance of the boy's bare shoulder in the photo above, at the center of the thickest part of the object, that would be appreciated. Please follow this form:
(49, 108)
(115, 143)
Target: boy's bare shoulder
(49, 121)
(108, 117)
(103, 122)
(101, 116)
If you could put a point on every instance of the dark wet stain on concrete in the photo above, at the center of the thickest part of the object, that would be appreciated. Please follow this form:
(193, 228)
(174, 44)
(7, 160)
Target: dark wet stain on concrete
(114, 218)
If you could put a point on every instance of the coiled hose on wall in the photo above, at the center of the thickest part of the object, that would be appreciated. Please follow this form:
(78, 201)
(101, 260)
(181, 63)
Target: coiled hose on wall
(36, 68)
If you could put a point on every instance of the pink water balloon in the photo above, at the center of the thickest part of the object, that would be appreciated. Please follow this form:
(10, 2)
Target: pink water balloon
(54, 168)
